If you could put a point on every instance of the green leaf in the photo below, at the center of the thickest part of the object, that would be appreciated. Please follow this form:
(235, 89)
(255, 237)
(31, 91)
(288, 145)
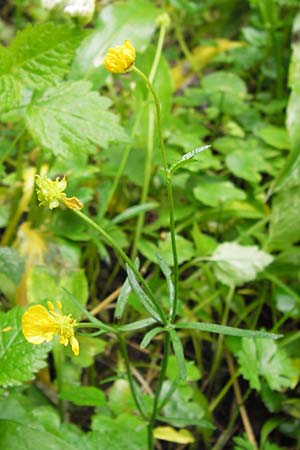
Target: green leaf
(235, 264)
(275, 136)
(225, 82)
(150, 335)
(71, 118)
(178, 350)
(285, 219)
(145, 300)
(19, 360)
(109, 432)
(229, 331)
(265, 359)
(212, 191)
(185, 249)
(246, 164)
(134, 211)
(124, 294)
(38, 57)
(15, 435)
(83, 396)
(89, 348)
(185, 159)
(138, 325)
(167, 273)
(116, 22)
(11, 264)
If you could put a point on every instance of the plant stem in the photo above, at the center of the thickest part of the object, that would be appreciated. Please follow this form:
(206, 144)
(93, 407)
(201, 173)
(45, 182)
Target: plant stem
(125, 258)
(155, 410)
(129, 375)
(169, 189)
(150, 142)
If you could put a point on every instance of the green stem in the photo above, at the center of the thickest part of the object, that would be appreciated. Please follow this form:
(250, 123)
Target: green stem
(169, 188)
(150, 142)
(162, 374)
(218, 353)
(58, 357)
(127, 260)
(130, 378)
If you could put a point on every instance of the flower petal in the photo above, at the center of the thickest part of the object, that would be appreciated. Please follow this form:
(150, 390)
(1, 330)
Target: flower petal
(37, 325)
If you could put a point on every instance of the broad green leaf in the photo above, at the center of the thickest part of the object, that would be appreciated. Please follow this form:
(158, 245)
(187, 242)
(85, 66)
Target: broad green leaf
(116, 22)
(235, 264)
(285, 219)
(275, 136)
(171, 435)
(246, 164)
(225, 82)
(265, 359)
(19, 360)
(192, 371)
(108, 433)
(213, 191)
(38, 57)
(15, 435)
(145, 300)
(83, 395)
(150, 335)
(186, 405)
(185, 249)
(11, 264)
(179, 354)
(229, 331)
(71, 118)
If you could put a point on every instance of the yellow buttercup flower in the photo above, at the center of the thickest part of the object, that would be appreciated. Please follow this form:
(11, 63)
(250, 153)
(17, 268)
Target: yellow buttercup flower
(51, 193)
(40, 324)
(121, 58)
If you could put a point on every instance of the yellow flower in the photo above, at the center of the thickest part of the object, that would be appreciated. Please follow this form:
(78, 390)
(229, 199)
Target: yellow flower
(121, 58)
(40, 324)
(51, 193)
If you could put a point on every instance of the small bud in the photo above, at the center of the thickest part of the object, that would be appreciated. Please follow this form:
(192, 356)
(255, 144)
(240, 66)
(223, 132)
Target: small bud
(163, 20)
(120, 59)
(51, 193)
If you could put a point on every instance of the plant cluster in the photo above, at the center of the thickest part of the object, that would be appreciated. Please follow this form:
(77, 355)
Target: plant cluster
(149, 196)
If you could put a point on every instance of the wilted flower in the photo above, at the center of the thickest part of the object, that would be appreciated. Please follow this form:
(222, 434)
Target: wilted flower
(40, 324)
(51, 193)
(120, 59)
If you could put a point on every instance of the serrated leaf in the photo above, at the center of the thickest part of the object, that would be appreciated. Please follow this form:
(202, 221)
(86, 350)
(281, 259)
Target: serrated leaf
(264, 359)
(235, 264)
(38, 57)
(19, 360)
(71, 118)
(11, 264)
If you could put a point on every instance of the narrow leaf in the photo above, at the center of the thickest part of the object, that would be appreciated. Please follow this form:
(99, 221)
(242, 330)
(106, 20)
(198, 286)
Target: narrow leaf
(123, 296)
(138, 325)
(229, 331)
(167, 273)
(134, 211)
(178, 350)
(145, 300)
(149, 336)
(187, 157)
